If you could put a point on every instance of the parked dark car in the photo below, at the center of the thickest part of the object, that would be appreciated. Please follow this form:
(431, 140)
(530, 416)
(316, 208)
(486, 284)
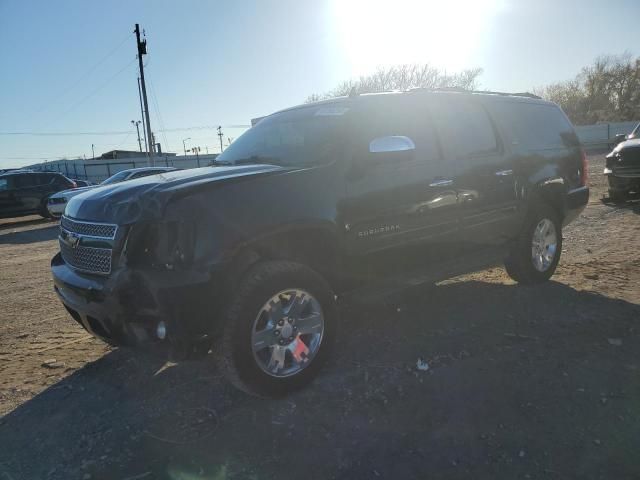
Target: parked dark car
(621, 137)
(247, 258)
(622, 167)
(25, 192)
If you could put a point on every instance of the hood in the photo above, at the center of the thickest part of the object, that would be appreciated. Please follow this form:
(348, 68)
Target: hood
(128, 202)
(627, 145)
(72, 192)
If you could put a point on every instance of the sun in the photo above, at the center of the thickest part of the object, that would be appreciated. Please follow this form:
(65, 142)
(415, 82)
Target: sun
(445, 34)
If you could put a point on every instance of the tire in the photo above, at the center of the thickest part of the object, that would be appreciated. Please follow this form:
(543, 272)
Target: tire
(43, 212)
(521, 264)
(249, 320)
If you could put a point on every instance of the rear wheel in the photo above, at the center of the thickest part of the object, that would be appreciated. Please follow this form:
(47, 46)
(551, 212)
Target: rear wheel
(536, 253)
(43, 211)
(279, 328)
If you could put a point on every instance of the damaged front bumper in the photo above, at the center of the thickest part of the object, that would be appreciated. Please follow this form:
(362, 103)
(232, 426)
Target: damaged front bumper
(172, 310)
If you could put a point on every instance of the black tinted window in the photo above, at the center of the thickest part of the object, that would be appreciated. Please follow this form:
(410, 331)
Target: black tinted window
(535, 126)
(398, 117)
(465, 126)
(25, 181)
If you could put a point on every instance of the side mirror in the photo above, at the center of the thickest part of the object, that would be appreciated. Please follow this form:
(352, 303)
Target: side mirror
(391, 144)
(620, 137)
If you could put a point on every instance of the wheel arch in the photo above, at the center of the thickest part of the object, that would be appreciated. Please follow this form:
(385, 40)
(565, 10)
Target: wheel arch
(316, 246)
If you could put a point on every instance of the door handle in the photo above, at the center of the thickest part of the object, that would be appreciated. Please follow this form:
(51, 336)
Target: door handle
(443, 182)
(504, 173)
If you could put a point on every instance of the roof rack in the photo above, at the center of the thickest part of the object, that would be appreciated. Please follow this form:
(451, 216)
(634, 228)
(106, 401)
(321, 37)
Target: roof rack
(488, 92)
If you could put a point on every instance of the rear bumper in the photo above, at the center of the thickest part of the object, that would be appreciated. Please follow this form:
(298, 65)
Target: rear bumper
(576, 202)
(125, 308)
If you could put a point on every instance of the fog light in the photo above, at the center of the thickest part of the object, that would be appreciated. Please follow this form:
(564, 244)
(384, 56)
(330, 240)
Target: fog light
(161, 331)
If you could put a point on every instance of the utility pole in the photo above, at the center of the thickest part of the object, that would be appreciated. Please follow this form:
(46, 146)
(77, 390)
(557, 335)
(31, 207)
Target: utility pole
(220, 136)
(144, 127)
(138, 130)
(142, 50)
(184, 145)
(93, 153)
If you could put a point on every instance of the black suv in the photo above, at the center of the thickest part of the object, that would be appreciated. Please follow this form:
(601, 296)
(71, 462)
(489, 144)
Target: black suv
(25, 193)
(248, 257)
(622, 167)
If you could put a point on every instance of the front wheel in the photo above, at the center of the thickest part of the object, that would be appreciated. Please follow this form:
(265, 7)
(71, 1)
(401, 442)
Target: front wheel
(279, 328)
(536, 253)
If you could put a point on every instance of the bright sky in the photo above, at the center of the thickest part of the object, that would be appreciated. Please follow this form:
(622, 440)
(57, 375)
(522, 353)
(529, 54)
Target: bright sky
(69, 67)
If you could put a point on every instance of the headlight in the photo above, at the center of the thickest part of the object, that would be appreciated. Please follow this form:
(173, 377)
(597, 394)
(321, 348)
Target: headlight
(165, 245)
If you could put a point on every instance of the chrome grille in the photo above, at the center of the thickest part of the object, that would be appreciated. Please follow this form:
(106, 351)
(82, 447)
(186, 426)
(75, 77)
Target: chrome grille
(88, 259)
(87, 246)
(98, 230)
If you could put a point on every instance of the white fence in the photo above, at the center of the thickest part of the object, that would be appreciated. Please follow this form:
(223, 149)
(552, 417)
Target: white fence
(100, 169)
(603, 134)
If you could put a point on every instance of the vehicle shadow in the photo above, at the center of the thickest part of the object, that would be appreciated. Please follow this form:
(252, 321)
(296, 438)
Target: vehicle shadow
(514, 374)
(47, 232)
(8, 223)
(632, 203)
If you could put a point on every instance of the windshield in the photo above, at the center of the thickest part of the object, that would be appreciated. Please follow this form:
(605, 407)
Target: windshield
(118, 177)
(303, 136)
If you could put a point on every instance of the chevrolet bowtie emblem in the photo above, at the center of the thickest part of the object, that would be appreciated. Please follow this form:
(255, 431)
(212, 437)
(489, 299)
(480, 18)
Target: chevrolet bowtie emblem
(73, 240)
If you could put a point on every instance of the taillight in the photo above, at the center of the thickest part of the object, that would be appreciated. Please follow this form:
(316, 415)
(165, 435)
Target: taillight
(584, 177)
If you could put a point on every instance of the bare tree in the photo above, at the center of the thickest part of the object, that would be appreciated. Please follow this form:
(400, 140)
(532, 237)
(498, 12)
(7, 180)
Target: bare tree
(404, 77)
(607, 90)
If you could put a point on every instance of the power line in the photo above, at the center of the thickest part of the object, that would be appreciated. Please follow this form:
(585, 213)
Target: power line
(85, 98)
(117, 132)
(81, 78)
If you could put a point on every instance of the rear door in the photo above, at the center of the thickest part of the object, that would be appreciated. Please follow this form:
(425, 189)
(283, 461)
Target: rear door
(27, 194)
(8, 201)
(484, 172)
(397, 202)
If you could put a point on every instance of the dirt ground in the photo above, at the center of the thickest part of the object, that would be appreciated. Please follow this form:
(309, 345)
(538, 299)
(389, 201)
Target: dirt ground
(540, 382)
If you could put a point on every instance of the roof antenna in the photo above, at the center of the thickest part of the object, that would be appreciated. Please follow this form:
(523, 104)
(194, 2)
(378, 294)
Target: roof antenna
(353, 92)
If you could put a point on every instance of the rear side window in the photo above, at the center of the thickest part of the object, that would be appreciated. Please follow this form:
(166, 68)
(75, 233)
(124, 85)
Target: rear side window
(465, 126)
(535, 126)
(60, 182)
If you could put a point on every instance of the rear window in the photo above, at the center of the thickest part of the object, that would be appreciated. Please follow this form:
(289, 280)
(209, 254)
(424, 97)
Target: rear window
(535, 126)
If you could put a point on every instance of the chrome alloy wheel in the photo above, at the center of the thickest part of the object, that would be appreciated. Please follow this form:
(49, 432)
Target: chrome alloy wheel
(544, 245)
(287, 333)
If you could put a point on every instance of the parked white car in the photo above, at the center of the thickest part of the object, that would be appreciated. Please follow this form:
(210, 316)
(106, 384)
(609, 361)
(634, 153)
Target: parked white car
(58, 201)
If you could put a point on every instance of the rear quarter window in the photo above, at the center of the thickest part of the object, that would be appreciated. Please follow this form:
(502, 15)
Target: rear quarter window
(535, 126)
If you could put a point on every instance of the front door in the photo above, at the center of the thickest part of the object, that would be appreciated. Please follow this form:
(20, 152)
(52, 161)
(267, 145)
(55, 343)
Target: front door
(401, 207)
